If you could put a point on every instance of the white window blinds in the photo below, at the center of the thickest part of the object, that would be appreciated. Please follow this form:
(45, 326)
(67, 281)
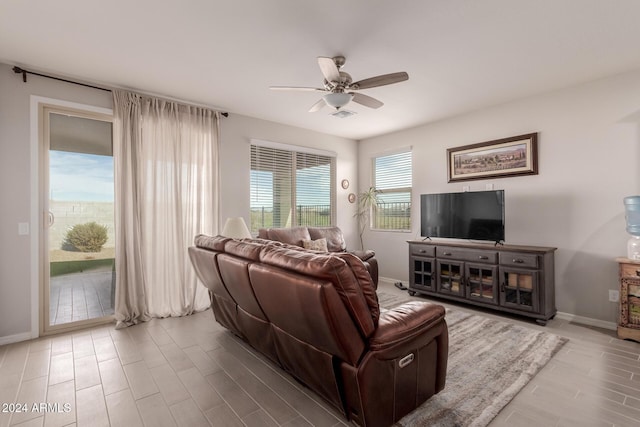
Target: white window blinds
(291, 188)
(392, 176)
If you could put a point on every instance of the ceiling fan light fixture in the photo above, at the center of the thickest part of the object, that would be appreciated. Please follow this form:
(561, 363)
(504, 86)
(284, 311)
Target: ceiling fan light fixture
(343, 114)
(337, 100)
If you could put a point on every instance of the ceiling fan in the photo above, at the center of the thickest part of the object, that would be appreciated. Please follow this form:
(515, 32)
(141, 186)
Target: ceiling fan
(340, 89)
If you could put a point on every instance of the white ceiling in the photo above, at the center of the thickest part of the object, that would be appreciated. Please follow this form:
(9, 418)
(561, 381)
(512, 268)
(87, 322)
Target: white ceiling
(461, 55)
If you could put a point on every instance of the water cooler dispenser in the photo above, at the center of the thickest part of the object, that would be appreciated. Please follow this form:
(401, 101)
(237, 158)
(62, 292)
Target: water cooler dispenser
(632, 215)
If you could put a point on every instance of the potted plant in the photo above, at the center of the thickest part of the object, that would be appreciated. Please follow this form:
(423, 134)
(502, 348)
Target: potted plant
(367, 201)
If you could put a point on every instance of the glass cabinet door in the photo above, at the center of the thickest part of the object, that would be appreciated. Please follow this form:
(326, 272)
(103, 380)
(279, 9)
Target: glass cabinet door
(451, 278)
(482, 282)
(423, 273)
(518, 288)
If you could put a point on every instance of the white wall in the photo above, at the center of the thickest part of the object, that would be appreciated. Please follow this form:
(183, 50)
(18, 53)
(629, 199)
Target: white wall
(16, 177)
(588, 161)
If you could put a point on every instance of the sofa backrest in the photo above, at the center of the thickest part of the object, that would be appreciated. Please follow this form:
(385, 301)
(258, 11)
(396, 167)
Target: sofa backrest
(204, 257)
(316, 298)
(234, 269)
(296, 235)
(334, 236)
(308, 309)
(347, 282)
(291, 236)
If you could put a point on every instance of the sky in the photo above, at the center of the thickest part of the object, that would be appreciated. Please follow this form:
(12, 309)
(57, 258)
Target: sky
(80, 177)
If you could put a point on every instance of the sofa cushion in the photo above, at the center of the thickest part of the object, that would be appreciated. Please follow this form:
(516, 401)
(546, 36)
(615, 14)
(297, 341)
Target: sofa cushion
(215, 243)
(292, 236)
(305, 309)
(405, 322)
(364, 255)
(334, 236)
(365, 281)
(319, 245)
(247, 249)
(328, 267)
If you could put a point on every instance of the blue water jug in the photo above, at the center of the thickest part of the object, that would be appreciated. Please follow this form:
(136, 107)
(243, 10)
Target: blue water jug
(632, 214)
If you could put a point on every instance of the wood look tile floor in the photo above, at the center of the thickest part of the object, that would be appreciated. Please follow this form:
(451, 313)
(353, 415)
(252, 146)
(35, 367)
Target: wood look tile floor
(190, 372)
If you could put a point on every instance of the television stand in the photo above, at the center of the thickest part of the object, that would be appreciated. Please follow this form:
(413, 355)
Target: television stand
(507, 278)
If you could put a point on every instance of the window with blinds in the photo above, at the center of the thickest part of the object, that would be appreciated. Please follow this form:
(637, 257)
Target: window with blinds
(291, 188)
(392, 176)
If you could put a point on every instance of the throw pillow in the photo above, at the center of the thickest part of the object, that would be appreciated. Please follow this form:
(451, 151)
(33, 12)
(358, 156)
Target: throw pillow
(315, 245)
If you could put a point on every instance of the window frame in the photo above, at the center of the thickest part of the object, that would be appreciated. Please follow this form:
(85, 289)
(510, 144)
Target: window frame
(296, 152)
(373, 217)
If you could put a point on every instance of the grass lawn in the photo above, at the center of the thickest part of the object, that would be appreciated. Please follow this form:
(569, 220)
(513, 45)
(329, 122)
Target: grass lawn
(65, 262)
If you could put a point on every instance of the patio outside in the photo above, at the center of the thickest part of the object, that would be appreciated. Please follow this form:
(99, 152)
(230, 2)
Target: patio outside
(82, 284)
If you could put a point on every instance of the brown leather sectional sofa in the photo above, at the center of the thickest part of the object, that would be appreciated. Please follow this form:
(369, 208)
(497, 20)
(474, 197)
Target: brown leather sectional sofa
(316, 315)
(335, 243)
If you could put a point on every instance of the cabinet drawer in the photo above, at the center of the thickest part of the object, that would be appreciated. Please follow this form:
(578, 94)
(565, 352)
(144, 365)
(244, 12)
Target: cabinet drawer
(423, 250)
(631, 271)
(516, 259)
(445, 252)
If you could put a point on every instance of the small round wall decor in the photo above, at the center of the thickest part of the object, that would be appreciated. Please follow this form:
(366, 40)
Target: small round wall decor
(345, 183)
(352, 197)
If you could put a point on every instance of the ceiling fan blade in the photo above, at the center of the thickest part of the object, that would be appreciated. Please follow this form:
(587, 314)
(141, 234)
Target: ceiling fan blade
(329, 69)
(306, 89)
(366, 100)
(385, 79)
(317, 106)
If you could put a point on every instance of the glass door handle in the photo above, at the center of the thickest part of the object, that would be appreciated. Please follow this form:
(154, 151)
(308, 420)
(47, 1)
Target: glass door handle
(51, 218)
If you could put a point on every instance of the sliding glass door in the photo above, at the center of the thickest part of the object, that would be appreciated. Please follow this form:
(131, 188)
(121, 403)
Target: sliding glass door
(78, 233)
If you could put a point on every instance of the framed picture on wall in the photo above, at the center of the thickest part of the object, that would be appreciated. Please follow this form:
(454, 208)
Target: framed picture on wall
(500, 158)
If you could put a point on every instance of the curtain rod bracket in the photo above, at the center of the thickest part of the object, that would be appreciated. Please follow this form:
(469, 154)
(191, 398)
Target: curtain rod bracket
(19, 70)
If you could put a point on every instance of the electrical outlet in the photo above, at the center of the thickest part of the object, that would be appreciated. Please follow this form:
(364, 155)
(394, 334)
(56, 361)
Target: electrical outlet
(614, 295)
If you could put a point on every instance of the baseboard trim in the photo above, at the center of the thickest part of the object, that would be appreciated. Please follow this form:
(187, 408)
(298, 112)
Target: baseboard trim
(588, 321)
(10, 339)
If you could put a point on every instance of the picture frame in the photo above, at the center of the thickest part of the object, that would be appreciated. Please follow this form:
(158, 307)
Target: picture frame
(500, 158)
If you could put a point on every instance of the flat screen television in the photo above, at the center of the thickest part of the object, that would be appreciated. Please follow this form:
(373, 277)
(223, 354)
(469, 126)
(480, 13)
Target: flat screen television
(473, 215)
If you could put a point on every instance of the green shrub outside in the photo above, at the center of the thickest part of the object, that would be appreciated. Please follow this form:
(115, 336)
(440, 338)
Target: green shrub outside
(87, 237)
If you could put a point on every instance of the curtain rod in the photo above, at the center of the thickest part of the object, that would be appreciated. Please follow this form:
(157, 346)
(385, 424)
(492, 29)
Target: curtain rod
(24, 73)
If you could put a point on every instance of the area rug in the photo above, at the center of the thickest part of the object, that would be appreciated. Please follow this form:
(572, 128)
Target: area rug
(490, 361)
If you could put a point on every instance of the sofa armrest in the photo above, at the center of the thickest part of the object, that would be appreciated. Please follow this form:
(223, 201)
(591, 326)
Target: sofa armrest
(404, 323)
(363, 255)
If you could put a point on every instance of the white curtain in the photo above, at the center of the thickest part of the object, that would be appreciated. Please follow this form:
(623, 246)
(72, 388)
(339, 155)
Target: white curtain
(166, 188)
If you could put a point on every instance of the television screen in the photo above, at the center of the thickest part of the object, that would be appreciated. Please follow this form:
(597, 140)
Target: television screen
(477, 215)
